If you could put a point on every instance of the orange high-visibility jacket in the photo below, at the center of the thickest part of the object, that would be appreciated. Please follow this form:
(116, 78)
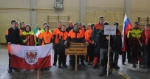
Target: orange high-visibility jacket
(56, 35)
(46, 37)
(88, 35)
(63, 35)
(74, 36)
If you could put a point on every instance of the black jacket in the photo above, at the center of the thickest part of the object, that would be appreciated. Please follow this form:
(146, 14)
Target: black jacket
(69, 28)
(117, 39)
(13, 36)
(103, 41)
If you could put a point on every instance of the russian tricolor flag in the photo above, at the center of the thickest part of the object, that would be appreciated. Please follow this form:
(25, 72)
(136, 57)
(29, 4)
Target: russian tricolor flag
(126, 27)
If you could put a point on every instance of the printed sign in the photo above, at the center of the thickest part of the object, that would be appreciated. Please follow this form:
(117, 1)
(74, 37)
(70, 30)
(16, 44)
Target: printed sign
(109, 30)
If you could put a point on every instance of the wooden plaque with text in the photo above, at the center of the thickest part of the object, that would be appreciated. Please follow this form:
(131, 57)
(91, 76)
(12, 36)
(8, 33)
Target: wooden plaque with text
(76, 49)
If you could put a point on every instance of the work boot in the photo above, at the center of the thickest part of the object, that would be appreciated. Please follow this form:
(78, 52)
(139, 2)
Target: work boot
(134, 65)
(102, 73)
(16, 70)
(72, 68)
(89, 63)
(59, 66)
(65, 66)
(82, 64)
(46, 69)
(54, 63)
(117, 67)
(123, 63)
(42, 69)
(10, 70)
(141, 66)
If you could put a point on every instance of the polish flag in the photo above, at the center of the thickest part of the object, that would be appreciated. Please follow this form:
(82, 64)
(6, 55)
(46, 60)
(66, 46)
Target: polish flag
(31, 57)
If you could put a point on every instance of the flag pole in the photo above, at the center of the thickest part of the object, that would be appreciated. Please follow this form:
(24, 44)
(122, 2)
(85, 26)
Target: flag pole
(108, 55)
(38, 74)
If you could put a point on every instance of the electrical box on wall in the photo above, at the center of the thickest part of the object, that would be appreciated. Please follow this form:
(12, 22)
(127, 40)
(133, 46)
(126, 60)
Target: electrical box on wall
(58, 4)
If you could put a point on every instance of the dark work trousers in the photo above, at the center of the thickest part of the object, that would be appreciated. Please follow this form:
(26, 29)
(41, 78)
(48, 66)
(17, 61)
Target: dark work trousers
(90, 52)
(57, 50)
(62, 56)
(136, 53)
(144, 54)
(104, 60)
(72, 60)
(123, 57)
(148, 55)
(96, 54)
(116, 56)
(82, 57)
(128, 50)
(10, 68)
(128, 53)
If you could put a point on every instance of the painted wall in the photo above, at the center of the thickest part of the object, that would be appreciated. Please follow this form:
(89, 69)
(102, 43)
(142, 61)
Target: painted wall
(112, 10)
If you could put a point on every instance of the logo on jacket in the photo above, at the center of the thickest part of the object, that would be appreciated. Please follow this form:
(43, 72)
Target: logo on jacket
(31, 57)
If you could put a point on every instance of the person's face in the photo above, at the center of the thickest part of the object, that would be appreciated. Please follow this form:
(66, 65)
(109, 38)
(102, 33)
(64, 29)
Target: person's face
(75, 27)
(22, 25)
(101, 20)
(63, 28)
(46, 29)
(135, 25)
(13, 24)
(16, 25)
(79, 26)
(27, 28)
(59, 25)
(116, 26)
(45, 25)
(89, 27)
(70, 23)
(146, 26)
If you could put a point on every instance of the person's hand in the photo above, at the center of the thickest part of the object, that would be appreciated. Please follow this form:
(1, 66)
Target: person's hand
(9, 43)
(65, 43)
(26, 40)
(107, 37)
(92, 42)
(109, 48)
(87, 43)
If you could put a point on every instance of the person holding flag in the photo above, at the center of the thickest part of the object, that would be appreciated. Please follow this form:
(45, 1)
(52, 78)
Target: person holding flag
(29, 38)
(126, 28)
(46, 38)
(13, 36)
(43, 30)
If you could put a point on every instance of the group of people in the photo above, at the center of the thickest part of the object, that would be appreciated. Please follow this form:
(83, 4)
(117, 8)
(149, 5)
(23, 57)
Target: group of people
(137, 42)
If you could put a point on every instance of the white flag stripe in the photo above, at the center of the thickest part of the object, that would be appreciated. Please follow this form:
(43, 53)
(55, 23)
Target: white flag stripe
(43, 50)
(37, 34)
(125, 18)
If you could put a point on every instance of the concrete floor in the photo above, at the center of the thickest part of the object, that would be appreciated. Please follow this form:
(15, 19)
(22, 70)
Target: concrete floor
(84, 72)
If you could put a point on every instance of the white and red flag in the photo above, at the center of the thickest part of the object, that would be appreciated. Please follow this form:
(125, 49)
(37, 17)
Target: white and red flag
(31, 57)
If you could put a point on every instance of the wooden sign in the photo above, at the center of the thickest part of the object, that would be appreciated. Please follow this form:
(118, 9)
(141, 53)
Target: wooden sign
(77, 49)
